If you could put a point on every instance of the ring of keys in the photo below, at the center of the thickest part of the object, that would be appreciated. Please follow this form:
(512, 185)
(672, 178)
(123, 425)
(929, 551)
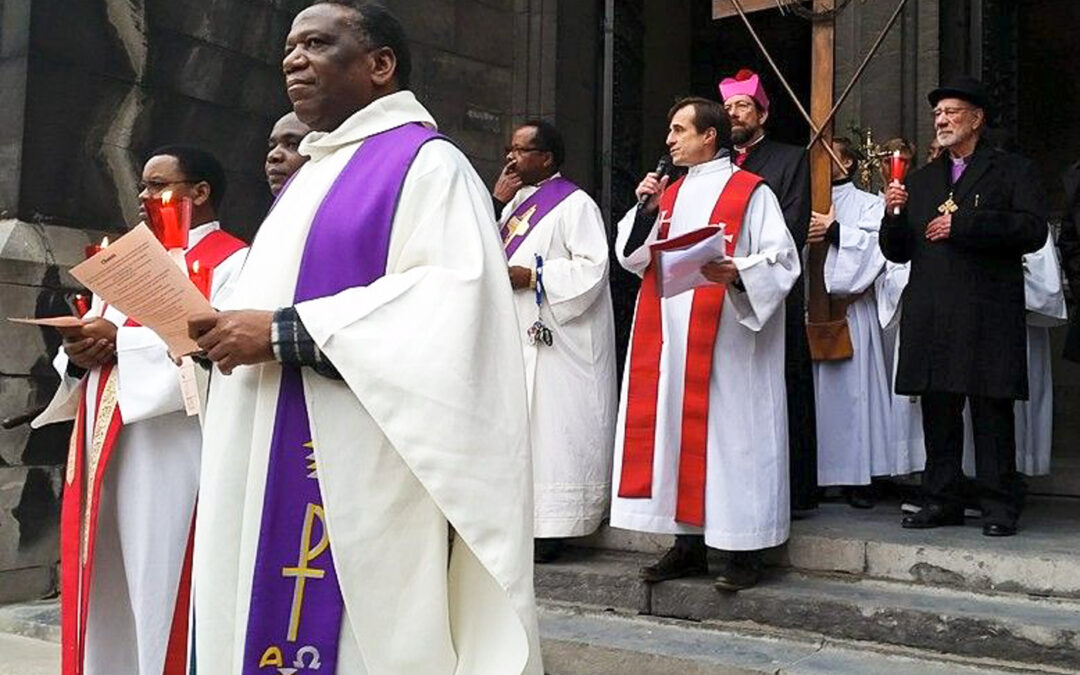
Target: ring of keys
(539, 334)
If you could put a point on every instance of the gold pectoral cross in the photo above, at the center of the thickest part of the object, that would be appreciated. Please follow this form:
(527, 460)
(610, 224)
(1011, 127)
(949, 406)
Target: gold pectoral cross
(518, 226)
(948, 206)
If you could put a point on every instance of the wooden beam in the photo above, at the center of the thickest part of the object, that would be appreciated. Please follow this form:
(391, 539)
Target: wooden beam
(722, 9)
(821, 100)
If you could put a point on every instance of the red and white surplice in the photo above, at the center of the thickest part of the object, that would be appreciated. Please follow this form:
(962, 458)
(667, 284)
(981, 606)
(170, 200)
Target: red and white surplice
(130, 489)
(701, 442)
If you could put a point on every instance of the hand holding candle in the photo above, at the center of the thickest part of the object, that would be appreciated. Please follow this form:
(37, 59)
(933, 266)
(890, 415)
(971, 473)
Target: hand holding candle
(898, 168)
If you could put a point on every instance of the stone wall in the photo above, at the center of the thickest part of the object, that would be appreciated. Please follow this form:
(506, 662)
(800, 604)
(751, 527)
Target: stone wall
(91, 87)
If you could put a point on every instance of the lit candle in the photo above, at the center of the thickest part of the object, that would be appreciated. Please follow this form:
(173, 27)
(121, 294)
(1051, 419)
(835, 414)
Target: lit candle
(82, 304)
(170, 219)
(93, 249)
(200, 276)
(898, 168)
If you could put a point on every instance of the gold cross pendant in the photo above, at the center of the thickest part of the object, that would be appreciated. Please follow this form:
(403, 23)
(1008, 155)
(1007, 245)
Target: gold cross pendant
(517, 227)
(948, 207)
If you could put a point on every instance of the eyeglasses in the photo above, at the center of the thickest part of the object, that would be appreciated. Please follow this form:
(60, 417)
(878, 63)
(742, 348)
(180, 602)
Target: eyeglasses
(741, 106)
(522, 151)
(949, 112)
(154, 187)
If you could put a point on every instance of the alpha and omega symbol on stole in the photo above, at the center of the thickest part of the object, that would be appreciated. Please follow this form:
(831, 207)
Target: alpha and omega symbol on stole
(306, 658)
(517, 227)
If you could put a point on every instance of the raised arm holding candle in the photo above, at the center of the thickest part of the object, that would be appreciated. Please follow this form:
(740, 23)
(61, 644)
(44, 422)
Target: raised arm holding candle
(122, 388)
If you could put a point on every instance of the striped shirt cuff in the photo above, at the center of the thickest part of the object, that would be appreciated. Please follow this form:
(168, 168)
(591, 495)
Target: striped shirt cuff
(294, 346)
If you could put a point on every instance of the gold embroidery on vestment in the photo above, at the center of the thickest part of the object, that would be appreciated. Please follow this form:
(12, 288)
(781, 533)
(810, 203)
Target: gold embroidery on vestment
(105, 412)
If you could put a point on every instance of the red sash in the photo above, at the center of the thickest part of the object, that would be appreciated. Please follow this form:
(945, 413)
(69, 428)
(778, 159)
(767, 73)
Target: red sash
(646, 343)
(88, 460)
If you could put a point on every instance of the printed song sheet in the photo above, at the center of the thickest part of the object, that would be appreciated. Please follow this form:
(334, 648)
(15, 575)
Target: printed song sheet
(137, 276)
(680, 270)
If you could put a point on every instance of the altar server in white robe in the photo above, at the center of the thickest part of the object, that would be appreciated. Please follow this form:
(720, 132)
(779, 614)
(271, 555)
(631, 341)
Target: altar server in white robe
(557, 251)
(853, 395)
(374, 330)
(1045, 302)
(905, 431)
(130, 489)
(701, 438)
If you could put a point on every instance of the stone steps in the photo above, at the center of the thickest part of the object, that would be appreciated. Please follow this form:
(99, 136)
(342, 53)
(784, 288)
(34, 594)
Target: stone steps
(591, 642)
(1012, 627)
(1043, 560)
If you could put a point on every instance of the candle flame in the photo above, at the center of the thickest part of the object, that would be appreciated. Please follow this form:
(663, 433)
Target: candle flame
(104, 242)
(166, 197)
(195, 267)
(896, 153)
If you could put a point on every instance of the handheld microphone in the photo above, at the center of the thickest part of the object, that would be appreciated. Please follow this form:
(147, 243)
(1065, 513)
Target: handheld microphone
(663, 168)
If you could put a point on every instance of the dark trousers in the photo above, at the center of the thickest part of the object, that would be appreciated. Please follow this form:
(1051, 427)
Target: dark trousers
(996, 479)
(802, 420)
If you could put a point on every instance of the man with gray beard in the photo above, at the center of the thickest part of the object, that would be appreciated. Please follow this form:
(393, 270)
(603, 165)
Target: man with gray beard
(964, 222)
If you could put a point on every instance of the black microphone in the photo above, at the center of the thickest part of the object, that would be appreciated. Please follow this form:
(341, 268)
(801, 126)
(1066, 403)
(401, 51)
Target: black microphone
(663, 168)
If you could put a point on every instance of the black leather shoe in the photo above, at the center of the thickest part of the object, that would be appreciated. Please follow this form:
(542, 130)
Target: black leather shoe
(547, 550)
(678, 562)
(860, 497)
(933, 515)
(742, 571)
(999, 530)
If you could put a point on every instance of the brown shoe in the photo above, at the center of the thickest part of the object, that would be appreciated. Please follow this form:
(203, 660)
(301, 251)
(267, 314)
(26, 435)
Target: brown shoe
(678, 562)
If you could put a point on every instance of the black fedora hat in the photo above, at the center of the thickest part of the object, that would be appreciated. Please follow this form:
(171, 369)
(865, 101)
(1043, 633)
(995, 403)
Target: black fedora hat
(966, 88)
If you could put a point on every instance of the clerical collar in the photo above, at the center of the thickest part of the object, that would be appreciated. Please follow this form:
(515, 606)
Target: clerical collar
(719, 163)
(843, 181)
(743, 149)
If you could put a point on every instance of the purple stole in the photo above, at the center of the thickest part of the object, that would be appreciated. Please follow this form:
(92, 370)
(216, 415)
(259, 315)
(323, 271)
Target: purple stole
(531, 211)
(296, 606)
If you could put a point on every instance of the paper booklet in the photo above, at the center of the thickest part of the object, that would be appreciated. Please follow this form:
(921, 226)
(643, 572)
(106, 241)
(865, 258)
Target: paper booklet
(137, 275)
(679, 270)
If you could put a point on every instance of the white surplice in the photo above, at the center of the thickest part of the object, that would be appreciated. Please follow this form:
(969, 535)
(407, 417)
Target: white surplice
(905, 432)
(746, 484)
(573, 396)
(148, 494)
(853, 395)
(429, 427)
(1044, 299)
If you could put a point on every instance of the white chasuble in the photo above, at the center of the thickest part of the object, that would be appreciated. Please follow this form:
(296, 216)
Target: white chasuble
(852, 396)
(1044, 299)
(573, 397)
(148, 493)
(427, 431)
(746, 475)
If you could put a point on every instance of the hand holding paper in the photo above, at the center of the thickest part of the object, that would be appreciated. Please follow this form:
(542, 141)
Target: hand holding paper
(136, 275)
(680, 270)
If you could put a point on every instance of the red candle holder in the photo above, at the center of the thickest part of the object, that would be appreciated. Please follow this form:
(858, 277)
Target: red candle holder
(898, 168)
(200, 276)
(169, 219)
(93, 249)
(82, 303)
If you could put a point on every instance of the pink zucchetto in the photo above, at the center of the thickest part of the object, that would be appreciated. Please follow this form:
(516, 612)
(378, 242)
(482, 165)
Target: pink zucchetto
(745, 82)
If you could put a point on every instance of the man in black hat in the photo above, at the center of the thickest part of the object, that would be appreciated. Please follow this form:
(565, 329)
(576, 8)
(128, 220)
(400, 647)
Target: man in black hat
(964, 221)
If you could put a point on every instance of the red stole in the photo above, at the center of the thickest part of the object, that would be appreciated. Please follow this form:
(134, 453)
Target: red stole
(647, 341)
(87, 462)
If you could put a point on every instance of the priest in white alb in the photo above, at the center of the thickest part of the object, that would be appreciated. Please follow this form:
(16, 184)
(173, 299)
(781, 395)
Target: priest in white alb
(133, 466)
(557, 252)
(701, 437)
(852, 395)
(366, 499)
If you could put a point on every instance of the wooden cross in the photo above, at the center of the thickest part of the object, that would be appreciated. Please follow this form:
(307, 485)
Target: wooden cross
(820, 307)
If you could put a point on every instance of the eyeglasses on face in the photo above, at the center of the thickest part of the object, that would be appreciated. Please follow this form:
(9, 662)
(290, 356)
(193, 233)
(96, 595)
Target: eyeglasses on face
(513, 150)
(154, 187)
(738, 106)
(951, 113)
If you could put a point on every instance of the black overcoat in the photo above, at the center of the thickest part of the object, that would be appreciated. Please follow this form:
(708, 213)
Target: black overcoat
(1069, 246)
(962, 319)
